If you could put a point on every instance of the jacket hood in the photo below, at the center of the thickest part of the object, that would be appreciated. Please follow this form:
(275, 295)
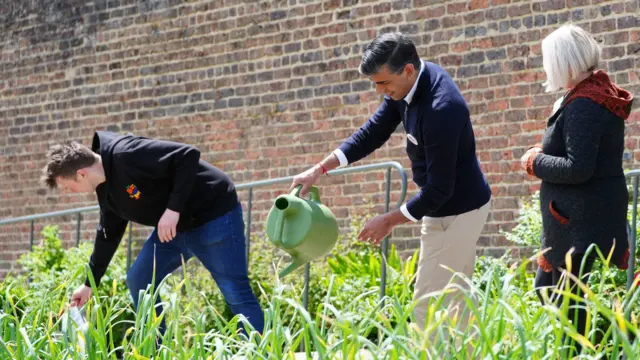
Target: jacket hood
(103, 144)
(599, 88)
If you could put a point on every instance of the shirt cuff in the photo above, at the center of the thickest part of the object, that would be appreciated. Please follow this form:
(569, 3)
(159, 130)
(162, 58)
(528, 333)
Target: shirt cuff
(405, 212)
(341, 157)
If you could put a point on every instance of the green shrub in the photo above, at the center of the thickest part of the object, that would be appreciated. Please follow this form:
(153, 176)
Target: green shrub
(51, 269)
(344, 313)
(529, 228)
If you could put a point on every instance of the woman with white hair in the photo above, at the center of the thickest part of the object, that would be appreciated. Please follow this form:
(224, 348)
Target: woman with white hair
(583, 195)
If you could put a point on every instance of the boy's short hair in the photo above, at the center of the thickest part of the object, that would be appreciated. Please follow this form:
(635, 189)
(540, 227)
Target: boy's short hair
(64, 160)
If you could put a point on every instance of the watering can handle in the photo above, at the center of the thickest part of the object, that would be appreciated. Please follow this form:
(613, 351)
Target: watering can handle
(315, 194)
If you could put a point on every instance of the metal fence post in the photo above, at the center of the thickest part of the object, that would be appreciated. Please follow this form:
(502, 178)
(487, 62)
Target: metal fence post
(32, 235)
(385, 241)
(129, 242)
(247, 239)
(305, 291)
(632, 237)
(305, 295)
(78, 222)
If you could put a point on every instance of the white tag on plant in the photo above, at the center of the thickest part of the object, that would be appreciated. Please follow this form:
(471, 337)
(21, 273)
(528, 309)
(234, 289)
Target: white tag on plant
(78, 330)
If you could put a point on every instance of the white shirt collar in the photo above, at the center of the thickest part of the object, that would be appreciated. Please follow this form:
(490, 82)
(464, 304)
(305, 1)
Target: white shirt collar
(409, 96)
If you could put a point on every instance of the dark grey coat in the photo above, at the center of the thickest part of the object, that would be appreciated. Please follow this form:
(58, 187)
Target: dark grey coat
(583, 195)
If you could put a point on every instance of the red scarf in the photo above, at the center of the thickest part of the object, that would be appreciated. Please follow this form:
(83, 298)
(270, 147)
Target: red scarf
(599, 88)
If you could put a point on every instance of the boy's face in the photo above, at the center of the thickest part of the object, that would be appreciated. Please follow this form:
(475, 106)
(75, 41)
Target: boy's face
(77, 184)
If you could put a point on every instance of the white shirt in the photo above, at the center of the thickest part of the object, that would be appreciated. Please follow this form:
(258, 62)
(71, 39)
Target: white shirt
(409, 96)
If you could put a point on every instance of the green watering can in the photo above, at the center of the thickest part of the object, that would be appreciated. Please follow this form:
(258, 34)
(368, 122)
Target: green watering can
(305, 229)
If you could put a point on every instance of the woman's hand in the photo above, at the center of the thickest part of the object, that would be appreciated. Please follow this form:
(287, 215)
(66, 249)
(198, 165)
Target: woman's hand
(525, 158)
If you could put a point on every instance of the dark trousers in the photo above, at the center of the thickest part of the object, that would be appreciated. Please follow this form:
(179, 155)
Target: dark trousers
(577, 313)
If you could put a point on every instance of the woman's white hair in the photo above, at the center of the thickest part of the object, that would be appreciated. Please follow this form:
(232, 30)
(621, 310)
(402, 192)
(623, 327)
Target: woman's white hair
(568, 53)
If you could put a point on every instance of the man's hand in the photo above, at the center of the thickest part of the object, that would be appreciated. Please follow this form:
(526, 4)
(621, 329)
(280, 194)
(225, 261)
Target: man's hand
(380, 226)
(306, 179)
(80, 296)
(167, 225)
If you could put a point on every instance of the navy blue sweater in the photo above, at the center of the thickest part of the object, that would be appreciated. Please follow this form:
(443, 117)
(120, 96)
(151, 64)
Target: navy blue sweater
(443, 157)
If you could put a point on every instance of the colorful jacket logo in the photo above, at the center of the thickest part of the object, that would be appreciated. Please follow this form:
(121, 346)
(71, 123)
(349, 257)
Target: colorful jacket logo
(133, 191)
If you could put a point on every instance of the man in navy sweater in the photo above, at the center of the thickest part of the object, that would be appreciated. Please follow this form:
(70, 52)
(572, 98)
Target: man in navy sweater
(454, 198)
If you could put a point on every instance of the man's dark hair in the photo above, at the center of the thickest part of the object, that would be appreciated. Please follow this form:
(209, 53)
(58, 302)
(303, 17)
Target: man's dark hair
(392, 49)
(64, 160)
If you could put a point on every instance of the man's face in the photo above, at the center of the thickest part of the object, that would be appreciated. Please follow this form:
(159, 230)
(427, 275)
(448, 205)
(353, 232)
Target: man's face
(77, 184)
(396, 86)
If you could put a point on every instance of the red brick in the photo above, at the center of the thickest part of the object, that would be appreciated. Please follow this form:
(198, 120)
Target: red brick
(478, 4)
(294, 70)
(482, 43)
(498, 105)
(451, 21)
(521, 103)
(456, 8)
(461, 46)
(502, 40)
(519, 10)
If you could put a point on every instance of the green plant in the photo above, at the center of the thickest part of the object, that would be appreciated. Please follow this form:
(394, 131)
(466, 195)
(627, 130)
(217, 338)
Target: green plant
(344, 315)
(51, 269)
(529, 228)
(505, 322)
(46, 257)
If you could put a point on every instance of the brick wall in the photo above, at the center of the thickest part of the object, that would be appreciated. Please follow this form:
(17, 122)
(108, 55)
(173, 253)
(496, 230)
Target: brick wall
(266, 88)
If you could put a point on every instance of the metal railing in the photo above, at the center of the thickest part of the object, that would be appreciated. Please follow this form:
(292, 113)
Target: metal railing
(248, 186)
(635, 175)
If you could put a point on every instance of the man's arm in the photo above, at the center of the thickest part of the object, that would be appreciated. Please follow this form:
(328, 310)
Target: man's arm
(372, 135)
(108, 237)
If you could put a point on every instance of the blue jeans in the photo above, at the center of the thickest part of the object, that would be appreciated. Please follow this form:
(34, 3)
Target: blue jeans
(220, 246)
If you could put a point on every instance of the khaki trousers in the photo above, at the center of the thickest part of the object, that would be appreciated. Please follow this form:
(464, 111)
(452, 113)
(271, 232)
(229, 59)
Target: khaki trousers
(447, 245)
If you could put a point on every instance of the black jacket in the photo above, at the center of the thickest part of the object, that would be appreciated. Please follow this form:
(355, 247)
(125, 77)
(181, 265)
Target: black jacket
(144, 177)
(583, 195)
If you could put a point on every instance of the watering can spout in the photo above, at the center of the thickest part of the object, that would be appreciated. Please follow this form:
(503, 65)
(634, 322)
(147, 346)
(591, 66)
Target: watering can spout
(287, 207)
(296, 263)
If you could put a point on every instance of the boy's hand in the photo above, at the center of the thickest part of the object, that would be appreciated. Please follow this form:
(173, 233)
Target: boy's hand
(167, 225)
(80, 296)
